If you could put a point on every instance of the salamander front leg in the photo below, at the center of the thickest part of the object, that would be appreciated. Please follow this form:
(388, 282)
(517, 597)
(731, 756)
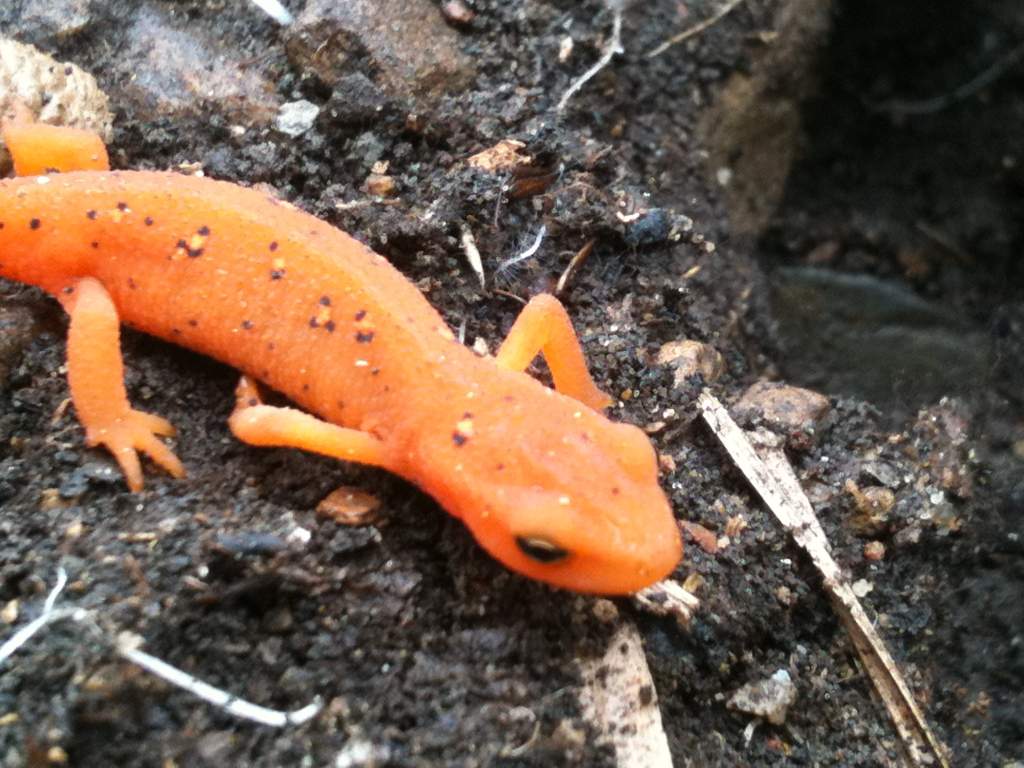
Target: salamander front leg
(544, 326)
(259, 424)
(37, 148)
(96, 379)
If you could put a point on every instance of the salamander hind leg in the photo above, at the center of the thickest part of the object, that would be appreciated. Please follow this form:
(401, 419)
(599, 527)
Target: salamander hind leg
(258, 424)
(544, 327)
(96, 379)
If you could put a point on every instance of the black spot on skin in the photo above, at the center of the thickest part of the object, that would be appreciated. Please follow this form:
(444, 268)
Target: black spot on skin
(69, 289)
(459, 439)
(253, 402)
(646, 695)
(193, 253)
(314, 323)
(360, 314)
(203, 231)
(91, 215)
(149, 221)
(176, 331)
(247, 325)
(499, 468)
(273, 245)
(1, 225)
(122, 207)
(325, 301)
(616, 491)
(364, 337)
(271, 346)
(467, 415)
(48, 170)
(329, 325)
(264, 373)
(374, 371)
(94, 244)
(193, 322)
(68, 71)
(305, 387)
(131, 284)
(35, 224)
(276, 274)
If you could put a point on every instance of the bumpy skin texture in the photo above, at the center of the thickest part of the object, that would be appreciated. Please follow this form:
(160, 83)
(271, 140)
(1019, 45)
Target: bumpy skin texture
(545, 482)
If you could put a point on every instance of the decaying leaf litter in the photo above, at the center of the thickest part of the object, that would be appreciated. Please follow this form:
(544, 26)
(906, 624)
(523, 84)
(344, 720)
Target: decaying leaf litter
(650, 293)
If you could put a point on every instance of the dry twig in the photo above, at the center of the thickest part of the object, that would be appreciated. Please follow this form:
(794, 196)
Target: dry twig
(774, 480)
(696, 29)
(125, 646)
(473, 255)
(668, 598)
(574, 265)
(619, 700)
(613, 47)
(898, 107)
(275, 10)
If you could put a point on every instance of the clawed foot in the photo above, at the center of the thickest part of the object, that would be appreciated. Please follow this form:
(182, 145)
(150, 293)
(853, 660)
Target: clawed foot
(133, 432)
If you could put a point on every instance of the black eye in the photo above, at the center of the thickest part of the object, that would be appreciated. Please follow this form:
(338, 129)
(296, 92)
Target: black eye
(541, 550)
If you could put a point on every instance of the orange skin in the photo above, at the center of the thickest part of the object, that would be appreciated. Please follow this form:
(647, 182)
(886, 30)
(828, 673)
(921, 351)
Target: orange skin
(546, 483)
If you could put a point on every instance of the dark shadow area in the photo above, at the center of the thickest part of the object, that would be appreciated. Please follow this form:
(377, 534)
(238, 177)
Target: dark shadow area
(895, 255)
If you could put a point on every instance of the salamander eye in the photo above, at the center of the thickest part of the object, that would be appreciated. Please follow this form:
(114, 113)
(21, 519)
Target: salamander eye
(541, 550)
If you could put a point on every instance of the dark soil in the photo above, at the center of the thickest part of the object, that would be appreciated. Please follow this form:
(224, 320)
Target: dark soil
(426, 651)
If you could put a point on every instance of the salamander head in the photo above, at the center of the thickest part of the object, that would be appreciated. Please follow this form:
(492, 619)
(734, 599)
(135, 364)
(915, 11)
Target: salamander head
(561, 494)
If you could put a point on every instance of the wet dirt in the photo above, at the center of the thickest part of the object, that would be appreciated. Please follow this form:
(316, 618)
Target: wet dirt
(424, 650)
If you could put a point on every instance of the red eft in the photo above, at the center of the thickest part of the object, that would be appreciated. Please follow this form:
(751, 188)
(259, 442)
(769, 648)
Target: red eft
(545, 482)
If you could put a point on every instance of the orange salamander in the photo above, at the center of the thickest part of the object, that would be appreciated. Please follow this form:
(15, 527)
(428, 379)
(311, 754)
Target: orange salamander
(546, 483)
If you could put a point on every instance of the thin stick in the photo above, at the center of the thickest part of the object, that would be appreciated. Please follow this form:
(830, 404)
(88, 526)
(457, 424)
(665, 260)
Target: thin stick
(614, 46)
(774, 480)
(228, 702)
(25, 634)
(696, 29)
(574, 265)
(473, 255)
(965, 91)
(668, 598)
(222, 699)
(275, 10)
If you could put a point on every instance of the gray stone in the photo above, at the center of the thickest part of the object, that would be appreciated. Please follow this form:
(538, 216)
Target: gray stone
(866, 337)
(406, 43)
(296, 117)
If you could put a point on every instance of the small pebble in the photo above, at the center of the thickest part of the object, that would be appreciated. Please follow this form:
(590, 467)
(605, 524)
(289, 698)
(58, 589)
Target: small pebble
(689, 358)
(783, 406)
(296, 117)
(769, 698)
(350, 506)
(9, 613)
(874, 550)
(457, 12)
